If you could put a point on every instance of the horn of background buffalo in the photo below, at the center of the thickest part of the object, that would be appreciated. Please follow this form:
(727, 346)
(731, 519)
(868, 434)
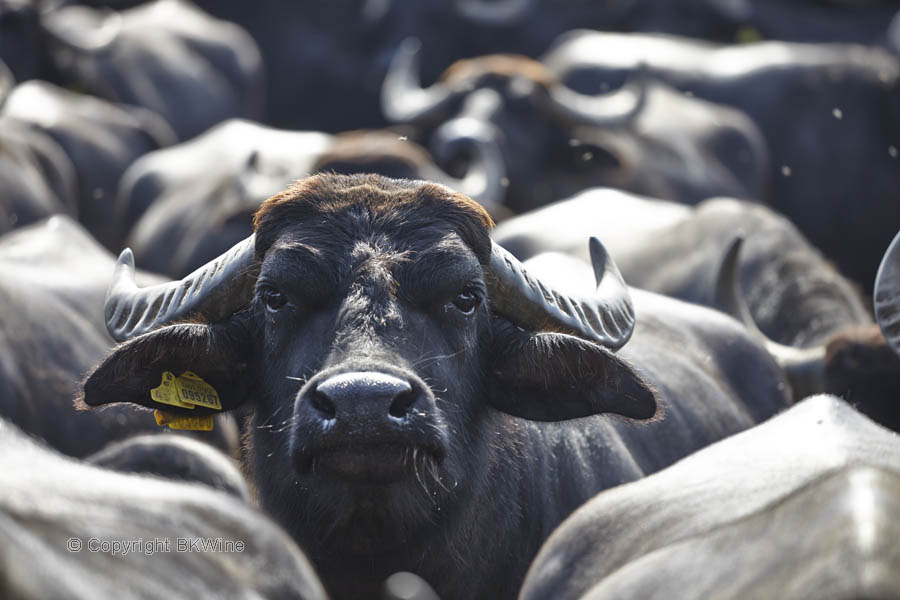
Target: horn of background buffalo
(403, 100)
(7, 82)
(215, 291)
(483, 182)
(611, 109)
(100, 39)
(887, 295)
(496, 13)
(606, 317)
(804, 367)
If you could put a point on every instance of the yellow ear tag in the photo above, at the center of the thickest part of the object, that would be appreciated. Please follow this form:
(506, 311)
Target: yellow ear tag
(186, 391)
(167, 393)
(184, 423)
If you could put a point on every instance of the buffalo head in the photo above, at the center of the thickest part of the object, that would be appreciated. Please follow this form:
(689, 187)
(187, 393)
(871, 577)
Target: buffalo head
(644, 137)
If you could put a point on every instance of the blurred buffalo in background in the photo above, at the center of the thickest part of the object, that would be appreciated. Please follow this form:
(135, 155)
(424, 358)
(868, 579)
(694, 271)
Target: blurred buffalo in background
(830, 115)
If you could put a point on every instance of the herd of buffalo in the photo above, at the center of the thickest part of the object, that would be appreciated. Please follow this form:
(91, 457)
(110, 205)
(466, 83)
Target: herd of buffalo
(450, 299)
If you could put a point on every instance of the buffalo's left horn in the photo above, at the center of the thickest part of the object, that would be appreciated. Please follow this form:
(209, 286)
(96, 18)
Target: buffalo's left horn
(403, 99)
(804, 367)
(606, 317)
(887, 295)
(215, 291)
(605, 110)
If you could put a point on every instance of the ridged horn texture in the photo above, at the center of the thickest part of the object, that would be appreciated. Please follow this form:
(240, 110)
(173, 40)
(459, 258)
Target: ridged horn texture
(804, 367)
(606, 317)
(887, 295)
(215, 291)
(224, 285)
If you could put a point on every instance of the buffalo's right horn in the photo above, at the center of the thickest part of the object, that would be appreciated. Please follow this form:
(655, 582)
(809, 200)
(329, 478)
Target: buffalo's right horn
(804, 367)
(403, 100)
(606, 317)
(887, 295)
(215, 291)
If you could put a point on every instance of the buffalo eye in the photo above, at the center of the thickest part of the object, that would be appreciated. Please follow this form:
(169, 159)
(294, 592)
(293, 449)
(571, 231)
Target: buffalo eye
(272, 298)
(466, 301)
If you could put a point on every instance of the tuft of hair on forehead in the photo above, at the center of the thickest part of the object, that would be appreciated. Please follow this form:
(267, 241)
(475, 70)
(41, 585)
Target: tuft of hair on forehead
(333, 194)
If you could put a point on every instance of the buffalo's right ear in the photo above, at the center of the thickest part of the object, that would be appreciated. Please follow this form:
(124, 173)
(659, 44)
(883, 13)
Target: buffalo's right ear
(218, 354)
(553, 377)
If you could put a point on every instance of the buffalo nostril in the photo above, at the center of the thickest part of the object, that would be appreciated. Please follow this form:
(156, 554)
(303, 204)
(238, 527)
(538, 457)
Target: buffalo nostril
(402, 403)
(323, 404)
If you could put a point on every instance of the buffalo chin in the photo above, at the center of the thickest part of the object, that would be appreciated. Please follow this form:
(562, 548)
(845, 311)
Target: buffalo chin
(373, 464)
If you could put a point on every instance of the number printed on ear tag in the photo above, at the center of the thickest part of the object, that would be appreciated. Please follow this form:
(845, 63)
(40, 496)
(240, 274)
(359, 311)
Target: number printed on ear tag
(192, 390)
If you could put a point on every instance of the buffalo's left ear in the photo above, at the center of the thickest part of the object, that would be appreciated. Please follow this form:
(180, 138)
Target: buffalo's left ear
(216, 353)
(553, 377)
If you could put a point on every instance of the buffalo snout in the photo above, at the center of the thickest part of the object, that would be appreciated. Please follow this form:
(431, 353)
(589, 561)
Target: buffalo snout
(366, 424)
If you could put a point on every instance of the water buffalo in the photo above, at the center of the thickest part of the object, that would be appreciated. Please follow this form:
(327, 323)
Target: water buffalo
(646, 137)
(100, 139)
(804, 505)
(420, 400)
(167, 56)
(105, 534)
(198, 198)
(53, 277)
(830, 114)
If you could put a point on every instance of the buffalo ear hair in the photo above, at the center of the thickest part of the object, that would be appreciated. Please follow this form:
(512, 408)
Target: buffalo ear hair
(553, 377)
(217, 353)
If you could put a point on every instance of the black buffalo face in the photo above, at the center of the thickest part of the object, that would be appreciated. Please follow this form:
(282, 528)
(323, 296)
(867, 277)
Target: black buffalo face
(371, 329)
(389, 356)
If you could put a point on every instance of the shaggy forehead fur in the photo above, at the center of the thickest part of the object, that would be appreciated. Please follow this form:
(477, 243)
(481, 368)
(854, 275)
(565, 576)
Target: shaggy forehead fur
(416, 203)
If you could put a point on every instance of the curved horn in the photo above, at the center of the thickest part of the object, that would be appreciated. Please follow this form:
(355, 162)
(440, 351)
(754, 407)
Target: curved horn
(615, 108)
(804, 367)
(484, 180)
(7, 82)
(215, 290)
(402, 97)
(82, 38)
(887, 295)
(496, 13)
(606, 317)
